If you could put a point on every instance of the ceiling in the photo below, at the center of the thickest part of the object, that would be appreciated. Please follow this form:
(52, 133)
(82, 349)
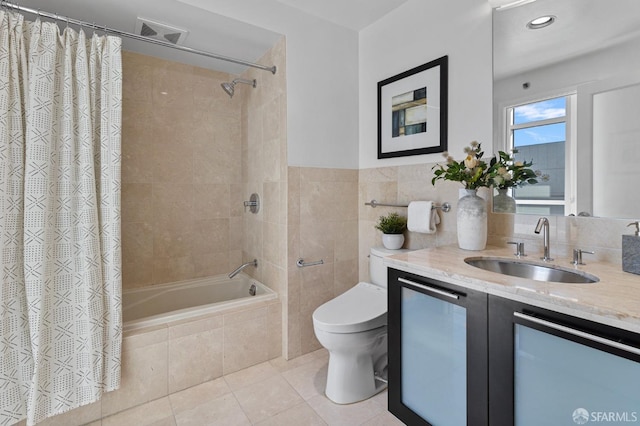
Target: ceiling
(581, 26)
(210, 31)
(353, 14)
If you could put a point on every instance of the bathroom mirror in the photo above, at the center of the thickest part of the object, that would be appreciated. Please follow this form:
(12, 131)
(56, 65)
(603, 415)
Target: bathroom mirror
(556, 89)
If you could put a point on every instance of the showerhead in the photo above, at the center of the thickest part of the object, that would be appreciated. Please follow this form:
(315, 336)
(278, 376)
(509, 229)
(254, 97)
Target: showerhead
(230, 87)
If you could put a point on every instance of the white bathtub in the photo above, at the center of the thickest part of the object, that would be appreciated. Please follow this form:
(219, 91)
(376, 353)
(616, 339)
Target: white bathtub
(165, 303)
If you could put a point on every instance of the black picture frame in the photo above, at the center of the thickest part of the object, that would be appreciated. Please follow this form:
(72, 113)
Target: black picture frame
(412, 111)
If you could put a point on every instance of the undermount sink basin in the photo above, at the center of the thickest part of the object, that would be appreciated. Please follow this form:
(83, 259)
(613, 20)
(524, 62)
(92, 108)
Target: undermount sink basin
(532, 271)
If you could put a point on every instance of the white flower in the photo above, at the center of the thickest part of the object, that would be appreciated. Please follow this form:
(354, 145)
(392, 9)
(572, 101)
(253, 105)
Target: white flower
(518, 164)
(470, 162)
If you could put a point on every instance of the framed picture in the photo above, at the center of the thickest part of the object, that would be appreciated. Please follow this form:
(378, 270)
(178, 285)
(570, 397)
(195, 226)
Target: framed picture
(412, 111)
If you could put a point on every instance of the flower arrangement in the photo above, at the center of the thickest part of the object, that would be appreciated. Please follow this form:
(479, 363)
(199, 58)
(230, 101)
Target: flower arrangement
(502, 171)
(473, 172)
(510, 173)
(392, 223)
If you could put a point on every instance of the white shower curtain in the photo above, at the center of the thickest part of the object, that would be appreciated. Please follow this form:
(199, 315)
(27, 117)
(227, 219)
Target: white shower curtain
(60, 293)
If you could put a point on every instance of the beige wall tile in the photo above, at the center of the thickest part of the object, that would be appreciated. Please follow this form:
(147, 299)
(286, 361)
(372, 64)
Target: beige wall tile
(316, 241)
(172, 205)
(245, 344)
(273, 209)
(144, 378)
(346, 275)
(137, 203)
(136, 167)
(138, 273)
(194, 359)
(137, 241)
(209, 322)
(210, 236)
(211, 201)
(172, 165)
(170, 269)
(274, 330)
(345, 237)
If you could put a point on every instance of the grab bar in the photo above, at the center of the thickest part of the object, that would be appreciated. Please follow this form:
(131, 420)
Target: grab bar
(301, 263)
(445, 207)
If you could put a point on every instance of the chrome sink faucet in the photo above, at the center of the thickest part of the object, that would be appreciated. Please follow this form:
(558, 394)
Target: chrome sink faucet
(543, 225)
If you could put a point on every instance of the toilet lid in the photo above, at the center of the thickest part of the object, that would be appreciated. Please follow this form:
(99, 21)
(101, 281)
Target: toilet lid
(361, 308)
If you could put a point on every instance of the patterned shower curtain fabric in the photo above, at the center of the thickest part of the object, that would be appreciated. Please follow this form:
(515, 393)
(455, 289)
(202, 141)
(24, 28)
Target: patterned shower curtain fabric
(60, 292)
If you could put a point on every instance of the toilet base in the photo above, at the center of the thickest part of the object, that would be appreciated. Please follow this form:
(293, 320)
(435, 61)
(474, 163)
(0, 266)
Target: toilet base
(351, 376)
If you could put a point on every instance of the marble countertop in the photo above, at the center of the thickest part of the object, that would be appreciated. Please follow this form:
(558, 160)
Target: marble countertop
(614, 300)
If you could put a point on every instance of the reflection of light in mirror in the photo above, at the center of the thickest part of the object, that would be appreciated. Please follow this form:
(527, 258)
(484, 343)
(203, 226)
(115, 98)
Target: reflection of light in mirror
(541, 22)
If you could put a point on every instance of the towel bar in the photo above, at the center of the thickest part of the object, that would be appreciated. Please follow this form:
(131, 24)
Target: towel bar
(445, 207)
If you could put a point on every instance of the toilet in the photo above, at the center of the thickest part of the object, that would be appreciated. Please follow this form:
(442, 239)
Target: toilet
(353, 328)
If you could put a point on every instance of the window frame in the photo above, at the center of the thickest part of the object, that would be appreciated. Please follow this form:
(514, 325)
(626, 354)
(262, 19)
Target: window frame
(506, 142)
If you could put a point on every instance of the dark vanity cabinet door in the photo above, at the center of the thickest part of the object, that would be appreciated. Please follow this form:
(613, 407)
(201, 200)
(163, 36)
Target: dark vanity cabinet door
(547, 368)
(437, 352)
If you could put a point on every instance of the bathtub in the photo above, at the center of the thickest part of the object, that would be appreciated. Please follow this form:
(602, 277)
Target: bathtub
(167, 303)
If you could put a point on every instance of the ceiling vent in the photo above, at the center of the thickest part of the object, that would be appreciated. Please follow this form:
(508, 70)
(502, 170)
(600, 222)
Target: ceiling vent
(152, 29)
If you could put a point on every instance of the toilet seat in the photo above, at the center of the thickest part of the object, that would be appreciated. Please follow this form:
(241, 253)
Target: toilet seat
(361, 308)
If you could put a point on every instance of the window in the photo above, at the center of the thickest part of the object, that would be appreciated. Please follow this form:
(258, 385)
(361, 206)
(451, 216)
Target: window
(538, 132)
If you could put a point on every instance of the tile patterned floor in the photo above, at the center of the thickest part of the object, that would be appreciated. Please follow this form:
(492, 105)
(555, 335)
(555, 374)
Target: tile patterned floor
(274, 393)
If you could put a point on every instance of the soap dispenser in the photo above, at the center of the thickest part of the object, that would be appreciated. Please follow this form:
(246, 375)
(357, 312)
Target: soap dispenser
(631, 250)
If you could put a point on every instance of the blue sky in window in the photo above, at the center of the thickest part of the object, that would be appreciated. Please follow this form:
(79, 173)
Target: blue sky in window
(537, 111)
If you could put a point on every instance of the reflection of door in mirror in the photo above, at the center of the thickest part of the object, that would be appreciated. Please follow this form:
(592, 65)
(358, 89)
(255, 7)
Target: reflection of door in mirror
(614, 106)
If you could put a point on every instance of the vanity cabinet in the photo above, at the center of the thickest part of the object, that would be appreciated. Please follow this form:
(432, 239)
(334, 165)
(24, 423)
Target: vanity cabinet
(462, 357)
(546, 368)
(437, 352)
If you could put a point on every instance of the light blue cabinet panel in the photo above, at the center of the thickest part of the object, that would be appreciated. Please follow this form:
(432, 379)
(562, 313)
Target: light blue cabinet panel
(434, 358)
(558, 381)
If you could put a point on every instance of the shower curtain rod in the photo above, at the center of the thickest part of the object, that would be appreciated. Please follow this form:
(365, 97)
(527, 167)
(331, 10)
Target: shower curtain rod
(68, 20)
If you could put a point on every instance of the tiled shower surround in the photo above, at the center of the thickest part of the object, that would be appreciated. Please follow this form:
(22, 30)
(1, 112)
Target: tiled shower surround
(181, 183)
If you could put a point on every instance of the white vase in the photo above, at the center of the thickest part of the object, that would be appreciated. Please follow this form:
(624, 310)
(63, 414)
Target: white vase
(392, 241)
(503, 202)
(472, 221)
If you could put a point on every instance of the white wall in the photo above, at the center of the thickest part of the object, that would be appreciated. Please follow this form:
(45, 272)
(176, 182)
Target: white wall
(322, 80)
(416, 33)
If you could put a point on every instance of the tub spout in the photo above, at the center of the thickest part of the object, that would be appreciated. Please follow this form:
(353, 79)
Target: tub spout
(239, 269)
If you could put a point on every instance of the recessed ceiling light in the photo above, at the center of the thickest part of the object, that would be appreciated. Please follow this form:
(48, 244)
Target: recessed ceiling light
(541, 22)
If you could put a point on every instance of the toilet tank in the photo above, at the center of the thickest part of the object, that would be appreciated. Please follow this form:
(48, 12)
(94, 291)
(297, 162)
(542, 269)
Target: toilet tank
(377, 270)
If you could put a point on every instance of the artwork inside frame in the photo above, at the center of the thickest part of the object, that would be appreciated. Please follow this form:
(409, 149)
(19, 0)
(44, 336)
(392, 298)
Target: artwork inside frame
(412, 111)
